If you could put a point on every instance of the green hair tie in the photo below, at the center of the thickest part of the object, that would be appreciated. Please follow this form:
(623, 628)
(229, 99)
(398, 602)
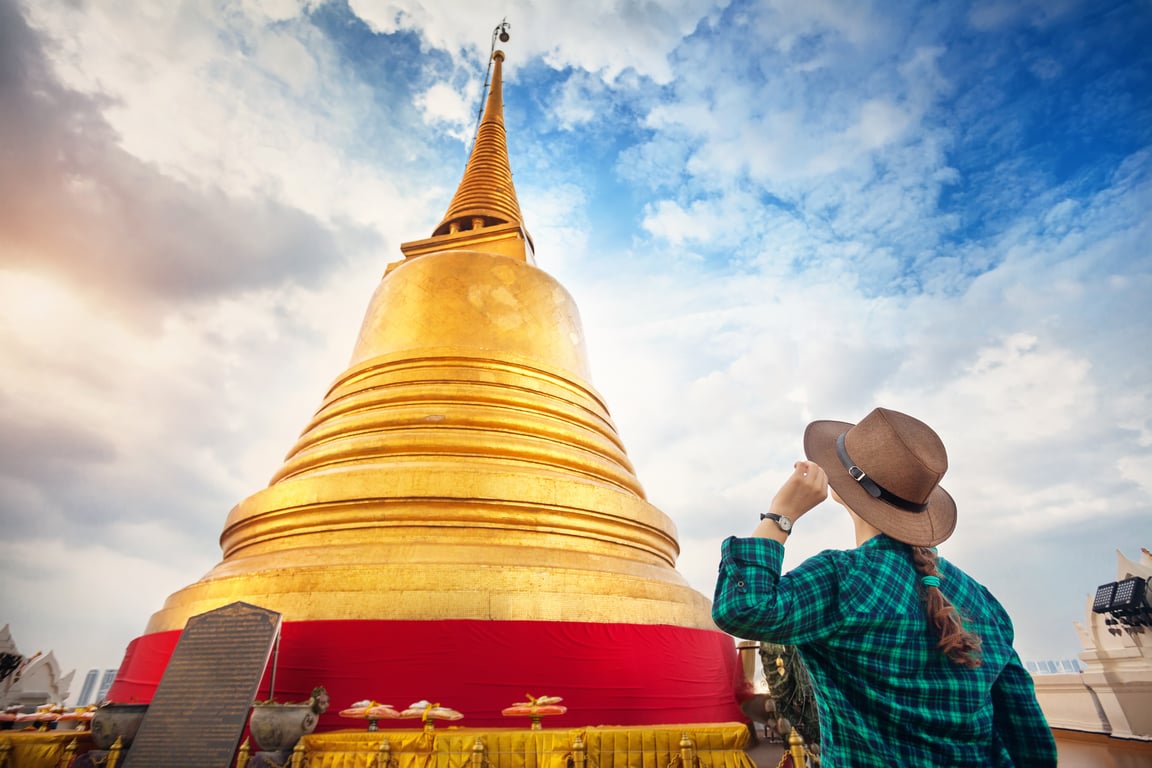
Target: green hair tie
(930, 581)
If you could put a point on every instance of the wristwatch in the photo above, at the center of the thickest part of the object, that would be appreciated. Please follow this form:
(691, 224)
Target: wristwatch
(785, 523)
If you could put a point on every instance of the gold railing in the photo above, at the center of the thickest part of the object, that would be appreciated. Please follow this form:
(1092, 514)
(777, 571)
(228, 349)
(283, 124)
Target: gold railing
(690, 746)
(51, 749)
(795, 750)
(685, 746)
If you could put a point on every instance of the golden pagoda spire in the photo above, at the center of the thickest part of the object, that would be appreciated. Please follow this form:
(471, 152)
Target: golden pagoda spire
(486, 190)
(484, 214)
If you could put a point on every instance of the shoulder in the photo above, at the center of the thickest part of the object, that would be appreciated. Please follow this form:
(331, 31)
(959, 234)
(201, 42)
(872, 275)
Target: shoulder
(836, 561)
(841, 571)
(972, 597)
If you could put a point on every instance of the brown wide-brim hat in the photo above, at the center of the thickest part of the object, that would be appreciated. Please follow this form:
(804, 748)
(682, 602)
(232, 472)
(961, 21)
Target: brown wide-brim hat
(887, 469)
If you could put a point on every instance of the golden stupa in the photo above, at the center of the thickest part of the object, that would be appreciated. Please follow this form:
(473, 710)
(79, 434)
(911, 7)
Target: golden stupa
(462, 485)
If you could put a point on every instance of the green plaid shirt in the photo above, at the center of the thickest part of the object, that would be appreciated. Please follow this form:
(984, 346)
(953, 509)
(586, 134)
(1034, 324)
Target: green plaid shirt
(885, 693)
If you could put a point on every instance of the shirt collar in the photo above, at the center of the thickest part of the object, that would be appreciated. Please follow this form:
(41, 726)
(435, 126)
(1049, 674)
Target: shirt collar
(884, 542)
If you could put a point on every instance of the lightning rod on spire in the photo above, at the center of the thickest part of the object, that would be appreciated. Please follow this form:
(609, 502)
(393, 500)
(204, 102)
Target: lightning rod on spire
(500, 32)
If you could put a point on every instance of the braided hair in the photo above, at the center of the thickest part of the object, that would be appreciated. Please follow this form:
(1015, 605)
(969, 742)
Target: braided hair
(958, 644)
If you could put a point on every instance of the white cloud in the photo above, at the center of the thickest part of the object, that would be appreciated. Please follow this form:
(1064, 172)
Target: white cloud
(1137, 469)
(288, 59)
(577, 102)
(279, 10)
(605, 38)
(792, 22)
(190, 101)
(988, 15)
(706, 222)
(880, 123)
(1038, 392)
(97, 590)
(443, 103)
(557, 220)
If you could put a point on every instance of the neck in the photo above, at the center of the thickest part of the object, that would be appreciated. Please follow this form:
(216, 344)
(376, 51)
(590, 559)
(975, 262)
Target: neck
(864, 529)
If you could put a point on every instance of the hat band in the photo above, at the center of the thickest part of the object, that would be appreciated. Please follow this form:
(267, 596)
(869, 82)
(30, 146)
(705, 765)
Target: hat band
(874, 489)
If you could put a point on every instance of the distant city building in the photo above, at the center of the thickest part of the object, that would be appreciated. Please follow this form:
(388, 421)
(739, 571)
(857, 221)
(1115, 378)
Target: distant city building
(1053, 666)
(105, 684)
(96, 685)
(88, 688)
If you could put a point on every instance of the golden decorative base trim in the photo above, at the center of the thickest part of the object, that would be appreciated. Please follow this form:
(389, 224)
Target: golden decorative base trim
(720, 745)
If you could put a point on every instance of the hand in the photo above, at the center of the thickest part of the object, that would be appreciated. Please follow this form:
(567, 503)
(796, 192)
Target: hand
(806, 487)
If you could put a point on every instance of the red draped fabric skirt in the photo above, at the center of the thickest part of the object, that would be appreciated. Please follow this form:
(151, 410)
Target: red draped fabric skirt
(607, 674)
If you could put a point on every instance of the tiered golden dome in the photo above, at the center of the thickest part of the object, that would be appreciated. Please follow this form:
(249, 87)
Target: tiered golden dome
(462, 466)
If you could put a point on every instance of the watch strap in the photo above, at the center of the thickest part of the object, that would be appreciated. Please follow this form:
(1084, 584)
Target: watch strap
(787, 528)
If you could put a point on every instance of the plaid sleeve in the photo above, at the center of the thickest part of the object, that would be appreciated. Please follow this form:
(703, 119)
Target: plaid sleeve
(1019, 722)
(753, 601)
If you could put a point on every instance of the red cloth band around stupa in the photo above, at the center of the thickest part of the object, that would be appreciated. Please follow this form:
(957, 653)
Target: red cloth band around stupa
(608, 674)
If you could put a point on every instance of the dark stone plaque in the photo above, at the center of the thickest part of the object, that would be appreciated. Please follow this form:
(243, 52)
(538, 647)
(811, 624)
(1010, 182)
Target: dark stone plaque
(202, 703)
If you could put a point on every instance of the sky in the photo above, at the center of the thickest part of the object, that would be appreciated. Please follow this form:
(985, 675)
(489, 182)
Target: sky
(767, 212)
